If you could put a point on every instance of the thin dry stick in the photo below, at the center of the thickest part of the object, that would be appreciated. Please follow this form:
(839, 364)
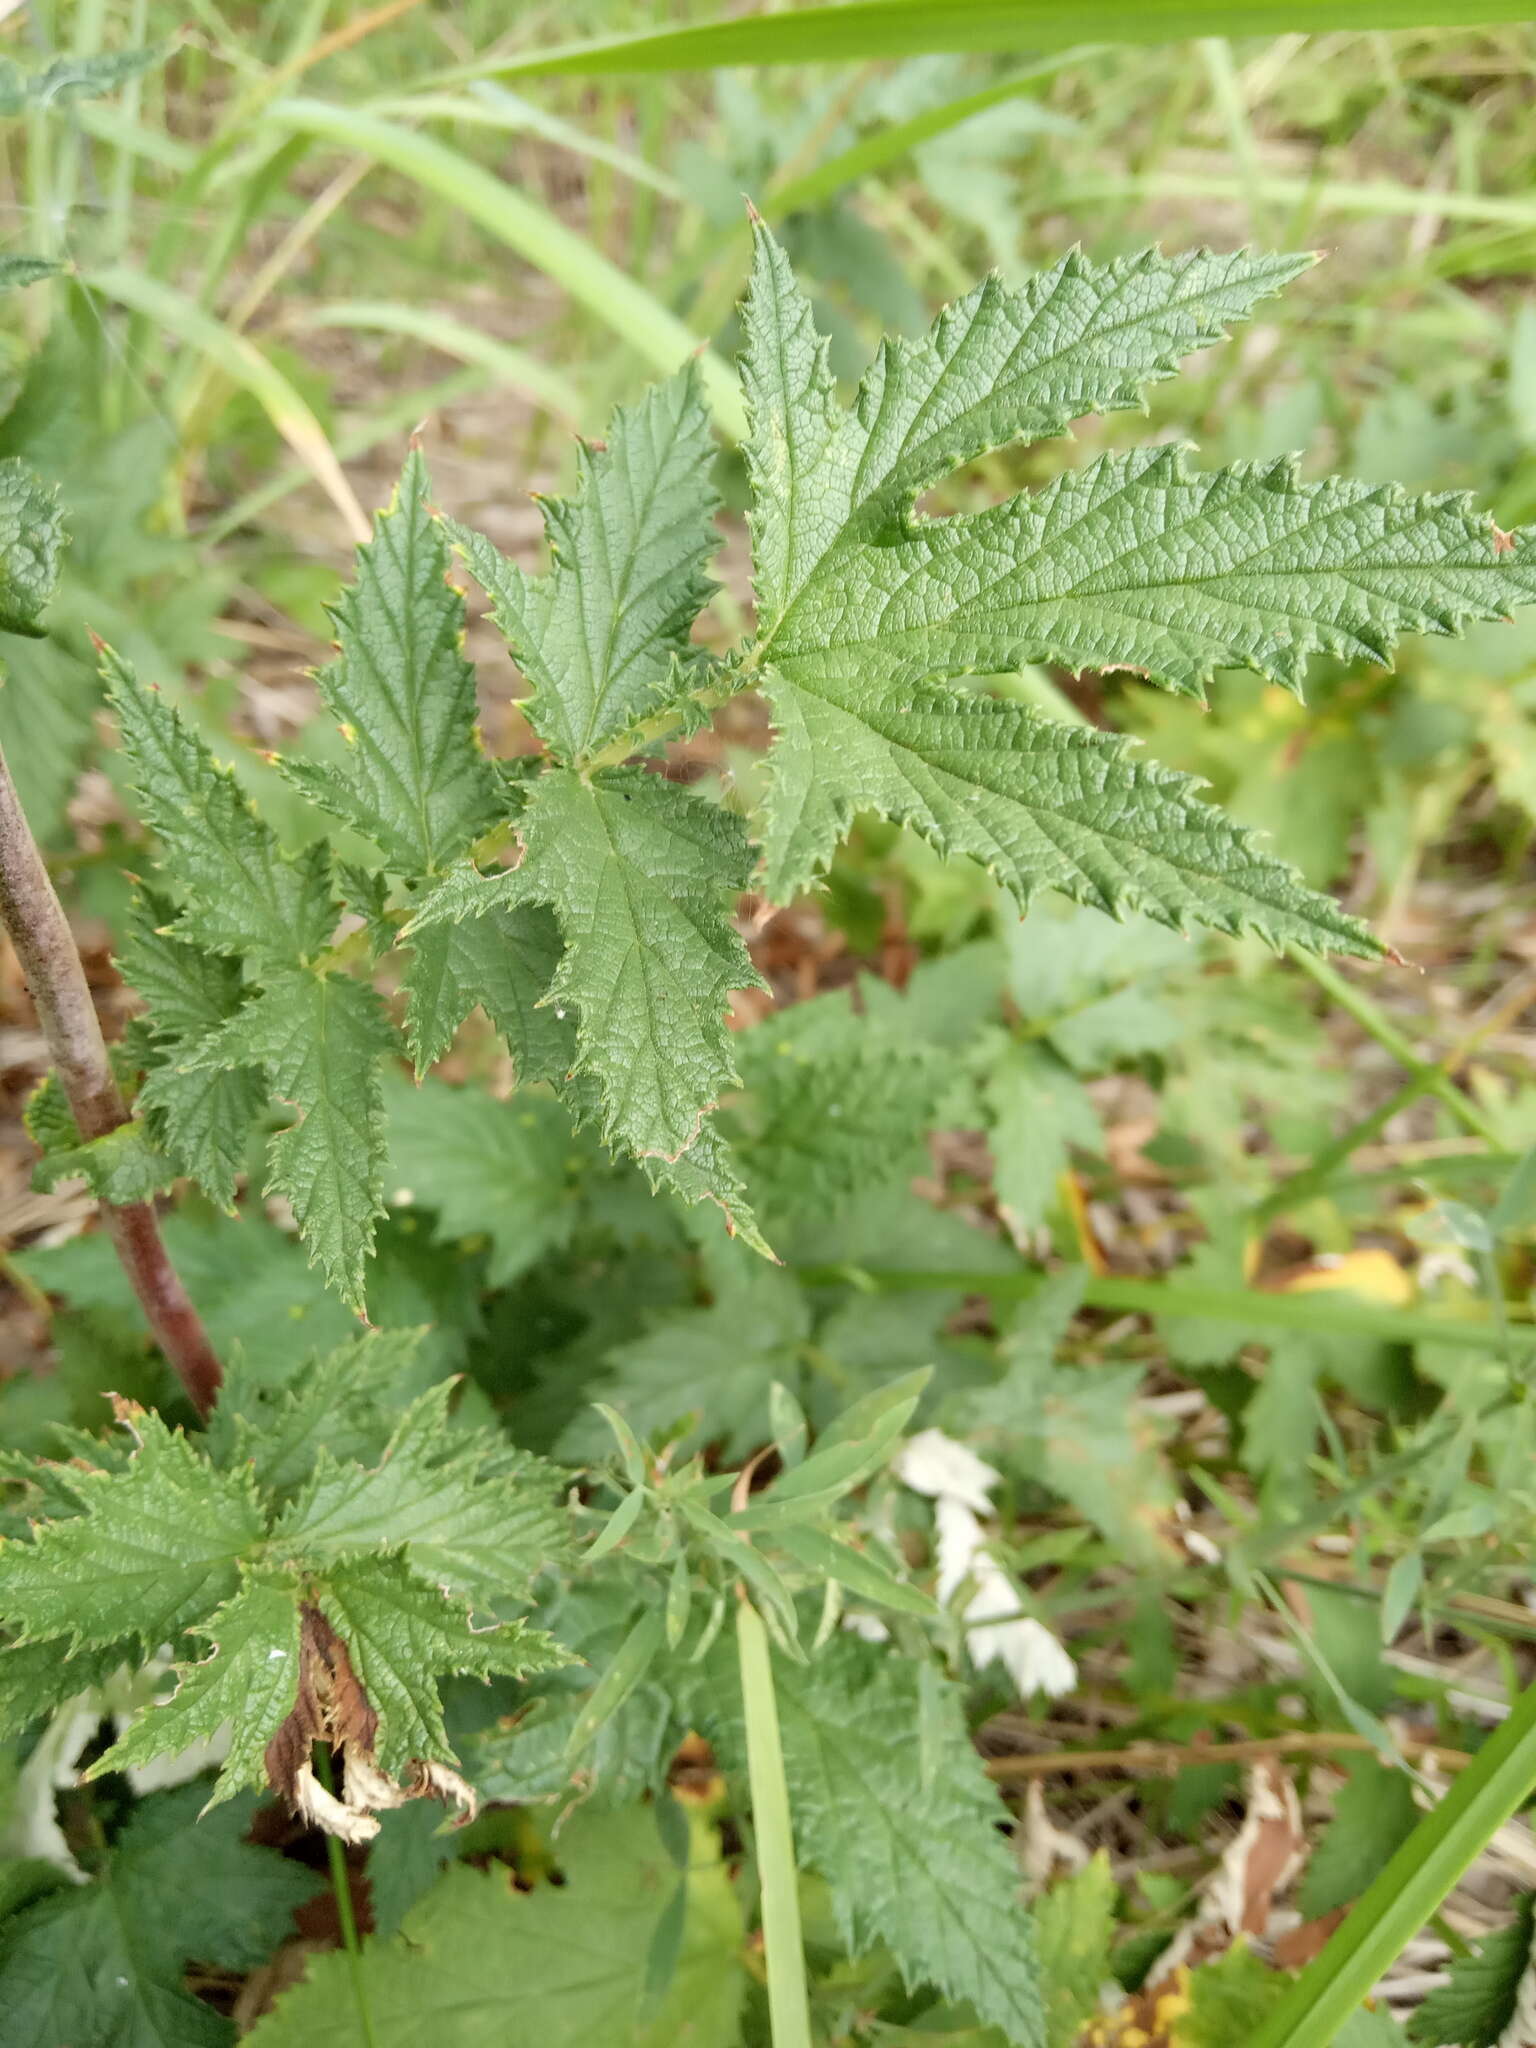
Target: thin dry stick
(50, 961)
(1151, 1759)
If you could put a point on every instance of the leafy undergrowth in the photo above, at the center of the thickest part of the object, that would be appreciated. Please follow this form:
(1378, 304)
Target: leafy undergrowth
(1132, 1473)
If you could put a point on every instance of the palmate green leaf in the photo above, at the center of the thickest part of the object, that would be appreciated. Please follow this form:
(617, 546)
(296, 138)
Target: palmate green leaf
(499, 1171)
(415, 780)
(241, 894)
(1134, 562)
(702, 1375)
(319, 1037)
(247, 1680)
(997, 366)
(103, 1965)
(468, 1512)
(602, 636)
(401, 1633)
(31, 541)
(567, 1966)
(346, 1401)
(640, 875)
(156, 1549)
(891, 1806)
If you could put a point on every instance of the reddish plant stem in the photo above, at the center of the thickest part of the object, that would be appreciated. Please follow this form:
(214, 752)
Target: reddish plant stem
(50, 963)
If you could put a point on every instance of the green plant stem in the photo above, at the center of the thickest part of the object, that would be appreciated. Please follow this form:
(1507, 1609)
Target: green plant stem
(1412, 1887)
(50, 962)
(783, 1945)
(1300, 1187)
(659, 725)
(1243, 1306)
(1308, 1180)
(341, 1886)
(1433, 1079)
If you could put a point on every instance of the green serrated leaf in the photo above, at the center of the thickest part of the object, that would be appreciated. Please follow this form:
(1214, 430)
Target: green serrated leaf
(468, 1513)
(187, 1123)
(401, 1634)
(202, 1121)
(156, 1549)
(501, 1171)
(366, 893)
(190, 990)
(504, 960)
(909, 1849)
(1477, 2006)
(479, 1961)
(1039, 804)
(835, 1105)
(38, 1678)
(1074, 1936)
(1134, 562)
(640, 874)
(708, 1172)
(997, 366)
(122, 1166)
(48, 1119)
(249, 1680)
(601, 636)
(319, 1038)
(703, 1375)
(1038, 1109)
(1373, 1816)
(31, 541)
(415, 780)
(103, 1965)
(346, 1401)
(242, 895)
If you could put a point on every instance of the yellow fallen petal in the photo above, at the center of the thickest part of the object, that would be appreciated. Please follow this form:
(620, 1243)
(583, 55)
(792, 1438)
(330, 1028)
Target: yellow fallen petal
(1373, 1274)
